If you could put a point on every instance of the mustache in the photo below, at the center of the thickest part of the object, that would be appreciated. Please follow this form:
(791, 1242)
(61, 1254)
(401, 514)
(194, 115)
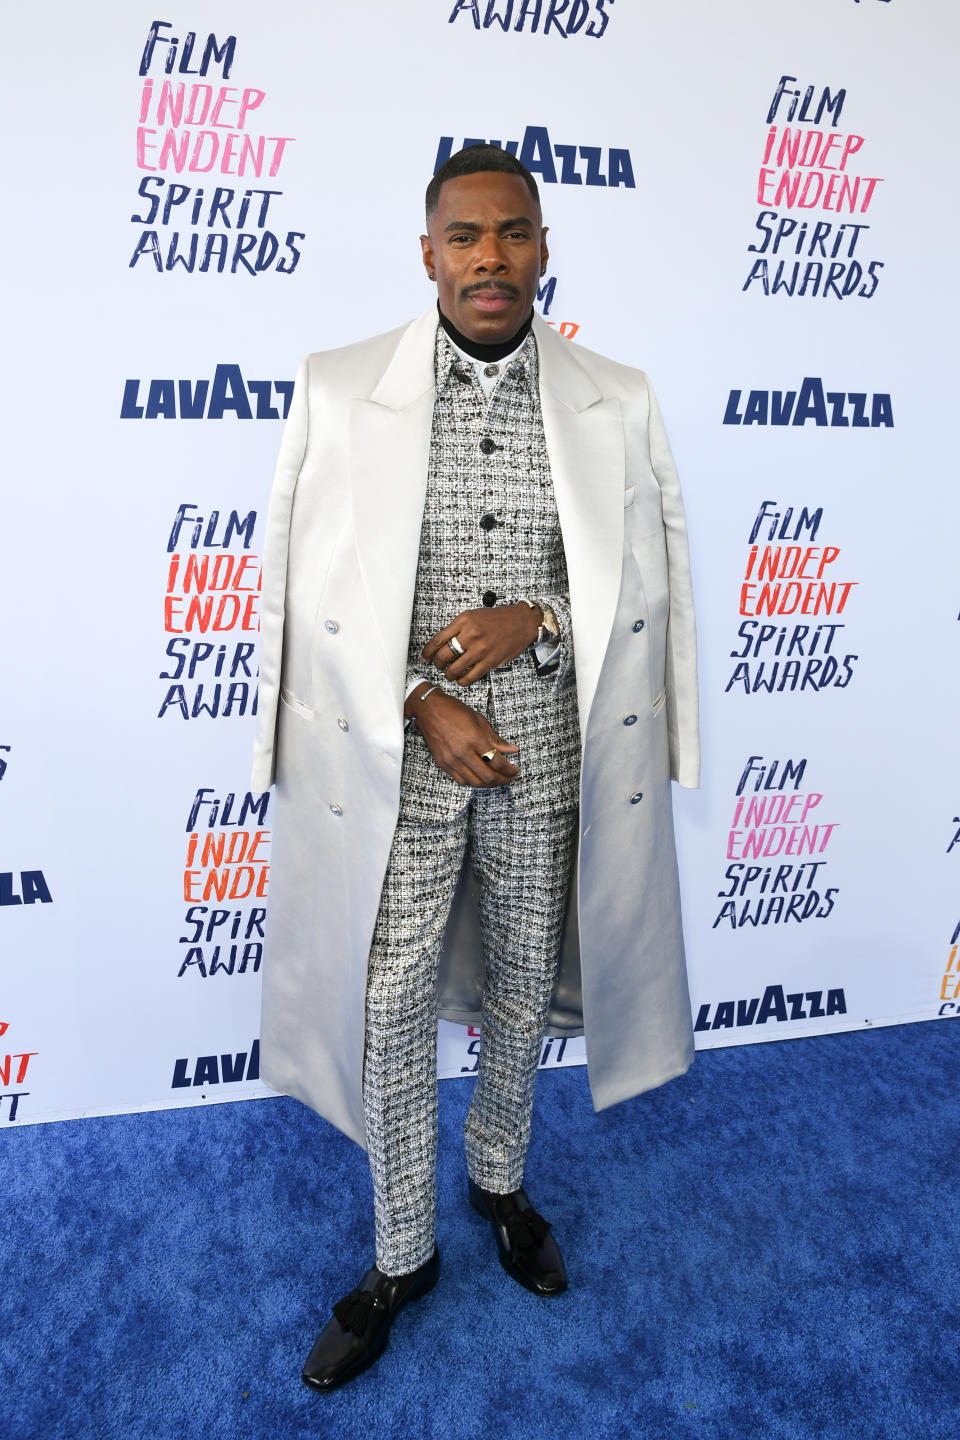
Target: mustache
(497, 286)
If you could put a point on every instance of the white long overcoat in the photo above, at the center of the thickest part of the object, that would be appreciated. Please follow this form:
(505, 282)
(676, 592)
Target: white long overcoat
(340, 561)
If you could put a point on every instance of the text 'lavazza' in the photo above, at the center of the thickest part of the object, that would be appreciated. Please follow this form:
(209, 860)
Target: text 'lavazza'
(560, 164)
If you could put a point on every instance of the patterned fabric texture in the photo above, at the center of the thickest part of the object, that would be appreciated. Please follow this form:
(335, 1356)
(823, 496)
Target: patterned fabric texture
(490, 535)
(522, 865)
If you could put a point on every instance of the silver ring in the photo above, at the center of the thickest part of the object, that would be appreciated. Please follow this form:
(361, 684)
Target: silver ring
(455, 645)
(488, 755)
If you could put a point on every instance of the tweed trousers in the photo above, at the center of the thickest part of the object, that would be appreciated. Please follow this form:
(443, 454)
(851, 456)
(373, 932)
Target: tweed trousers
(522, 864)
(490, 535)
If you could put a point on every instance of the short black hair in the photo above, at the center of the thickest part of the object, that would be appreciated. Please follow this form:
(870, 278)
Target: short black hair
(476, 160)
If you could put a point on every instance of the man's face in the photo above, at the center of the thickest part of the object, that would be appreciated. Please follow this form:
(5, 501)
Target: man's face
(487, 246)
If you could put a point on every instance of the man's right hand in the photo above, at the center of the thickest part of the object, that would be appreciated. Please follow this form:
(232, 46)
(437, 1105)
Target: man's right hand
(457, 738)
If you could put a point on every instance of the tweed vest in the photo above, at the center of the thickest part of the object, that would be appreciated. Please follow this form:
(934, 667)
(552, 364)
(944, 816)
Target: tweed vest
(491, 536)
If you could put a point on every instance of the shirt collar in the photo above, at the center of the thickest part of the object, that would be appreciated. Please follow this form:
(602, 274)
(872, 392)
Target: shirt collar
(453, 364)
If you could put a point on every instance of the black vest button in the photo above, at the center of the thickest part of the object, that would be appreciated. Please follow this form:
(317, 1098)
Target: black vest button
(488, 522)
(489, 598)
(487, 446)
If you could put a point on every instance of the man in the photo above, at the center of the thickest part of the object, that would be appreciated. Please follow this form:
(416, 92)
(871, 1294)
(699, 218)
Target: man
(475, 554)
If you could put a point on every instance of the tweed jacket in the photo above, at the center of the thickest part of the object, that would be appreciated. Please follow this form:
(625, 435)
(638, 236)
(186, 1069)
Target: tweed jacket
(491, 535)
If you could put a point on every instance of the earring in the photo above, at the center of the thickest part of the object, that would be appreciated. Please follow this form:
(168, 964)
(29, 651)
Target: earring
(433, 275)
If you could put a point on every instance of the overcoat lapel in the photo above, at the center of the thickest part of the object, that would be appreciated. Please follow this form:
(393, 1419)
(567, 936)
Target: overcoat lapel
(584, 434)
(390, 455)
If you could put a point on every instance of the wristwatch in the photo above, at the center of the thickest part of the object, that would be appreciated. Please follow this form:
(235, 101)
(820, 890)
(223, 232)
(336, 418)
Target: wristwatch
(550, 629)
(548, 633)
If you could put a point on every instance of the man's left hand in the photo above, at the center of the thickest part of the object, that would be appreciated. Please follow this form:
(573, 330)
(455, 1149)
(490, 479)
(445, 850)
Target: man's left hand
(489, 638)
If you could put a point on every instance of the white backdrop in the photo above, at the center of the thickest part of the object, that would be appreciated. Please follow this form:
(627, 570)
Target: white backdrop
(752, 201)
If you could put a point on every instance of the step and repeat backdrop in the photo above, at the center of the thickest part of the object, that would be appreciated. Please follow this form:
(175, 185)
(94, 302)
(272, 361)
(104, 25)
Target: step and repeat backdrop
(754, 202)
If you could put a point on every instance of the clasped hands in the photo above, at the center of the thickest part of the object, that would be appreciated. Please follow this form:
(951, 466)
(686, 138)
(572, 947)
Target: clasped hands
(458, 737)
(487, 639)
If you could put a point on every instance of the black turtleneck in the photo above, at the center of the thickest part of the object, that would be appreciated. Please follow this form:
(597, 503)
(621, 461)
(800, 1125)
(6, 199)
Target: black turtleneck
(489, 353)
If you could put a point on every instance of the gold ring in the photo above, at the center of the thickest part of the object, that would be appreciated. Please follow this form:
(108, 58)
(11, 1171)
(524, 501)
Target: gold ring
(488, 755)
(455, 645)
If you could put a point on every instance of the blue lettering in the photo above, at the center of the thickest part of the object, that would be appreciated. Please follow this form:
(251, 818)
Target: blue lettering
(592, 153)
(810, 403)
(621, 169)
(537, 154)
(129, 408)
(473, 6)
(772, 1003)
(228, 393)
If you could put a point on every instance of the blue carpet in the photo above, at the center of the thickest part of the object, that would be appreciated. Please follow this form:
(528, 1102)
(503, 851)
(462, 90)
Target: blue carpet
(764, 1248)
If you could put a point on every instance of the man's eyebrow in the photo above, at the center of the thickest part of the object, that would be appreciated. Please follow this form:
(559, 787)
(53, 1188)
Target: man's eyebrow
(475, 228)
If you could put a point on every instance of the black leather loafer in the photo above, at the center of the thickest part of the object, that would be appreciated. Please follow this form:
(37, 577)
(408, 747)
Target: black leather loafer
(358, 1332)
(528, 1251)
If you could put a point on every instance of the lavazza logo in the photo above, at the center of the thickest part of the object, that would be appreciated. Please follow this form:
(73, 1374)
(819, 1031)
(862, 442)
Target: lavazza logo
(555, 164)
(774, 1004)
(227, 392)
(810, 402)
(21, 887)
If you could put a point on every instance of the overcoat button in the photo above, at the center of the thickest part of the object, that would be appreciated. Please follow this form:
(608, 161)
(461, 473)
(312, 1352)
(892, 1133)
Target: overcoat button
(342, 723)
(487, 445)
(491, 370)
(635, 799)
(488, 522)
(630, 720)
(489, 598)
(331, 625)
(336, 810)
(638, 625)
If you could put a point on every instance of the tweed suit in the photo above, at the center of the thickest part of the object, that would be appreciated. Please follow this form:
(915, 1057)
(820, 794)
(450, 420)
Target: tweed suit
(490, 534)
